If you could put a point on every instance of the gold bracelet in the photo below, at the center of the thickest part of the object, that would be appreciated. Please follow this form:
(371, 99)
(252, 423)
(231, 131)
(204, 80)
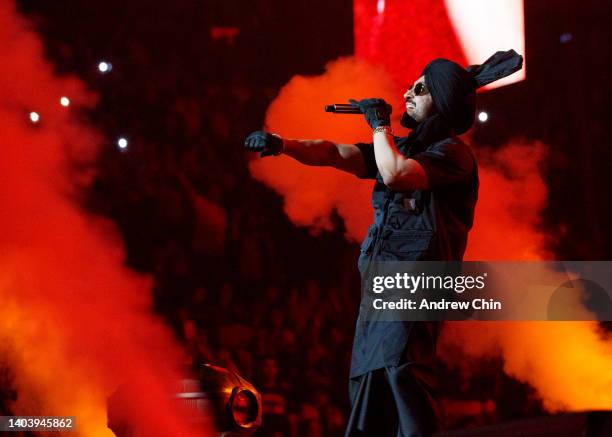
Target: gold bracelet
(386, 129)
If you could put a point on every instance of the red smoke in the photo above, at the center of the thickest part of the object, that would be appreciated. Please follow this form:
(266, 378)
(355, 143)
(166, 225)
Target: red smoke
(565, 362)
(511, 200)
(74, 322)
(312, 193)
(568, 363)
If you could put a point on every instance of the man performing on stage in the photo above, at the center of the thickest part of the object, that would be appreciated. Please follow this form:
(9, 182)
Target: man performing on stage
(424, 197)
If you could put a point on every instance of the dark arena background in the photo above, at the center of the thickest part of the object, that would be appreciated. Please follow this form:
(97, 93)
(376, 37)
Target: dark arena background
(140, 241)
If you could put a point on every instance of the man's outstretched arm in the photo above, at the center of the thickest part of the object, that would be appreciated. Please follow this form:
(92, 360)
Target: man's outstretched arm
(345, 157)
(320, 153)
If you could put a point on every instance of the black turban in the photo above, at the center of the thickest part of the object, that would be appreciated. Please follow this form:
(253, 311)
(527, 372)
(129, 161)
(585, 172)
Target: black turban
(453, 88)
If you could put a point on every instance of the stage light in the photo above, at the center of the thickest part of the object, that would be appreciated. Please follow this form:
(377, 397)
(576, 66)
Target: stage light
(465, 31)
(34, 117)
(483, 116)
(105, 67)
(122, 143)
(244, 408)
(485, 26)
(566, 37)
(65, 101)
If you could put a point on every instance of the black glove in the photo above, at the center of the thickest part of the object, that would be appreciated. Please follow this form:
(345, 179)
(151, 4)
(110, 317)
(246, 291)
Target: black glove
(264, 142)
(377, 112)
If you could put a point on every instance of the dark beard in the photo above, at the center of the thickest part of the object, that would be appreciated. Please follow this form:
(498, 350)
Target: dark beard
(408, 122)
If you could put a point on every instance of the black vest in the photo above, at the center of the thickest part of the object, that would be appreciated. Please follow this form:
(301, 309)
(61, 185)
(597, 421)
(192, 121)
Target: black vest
(411, 226)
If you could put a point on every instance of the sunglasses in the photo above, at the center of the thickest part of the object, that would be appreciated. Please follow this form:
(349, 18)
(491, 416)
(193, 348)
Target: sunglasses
(419, 89)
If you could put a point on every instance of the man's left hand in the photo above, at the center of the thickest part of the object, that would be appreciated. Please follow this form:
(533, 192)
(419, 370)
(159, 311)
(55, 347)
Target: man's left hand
(377, 112)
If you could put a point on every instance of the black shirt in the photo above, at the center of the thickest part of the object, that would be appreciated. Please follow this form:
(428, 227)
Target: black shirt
(446, 209)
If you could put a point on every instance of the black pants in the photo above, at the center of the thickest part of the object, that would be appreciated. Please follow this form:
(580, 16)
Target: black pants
(392, 402)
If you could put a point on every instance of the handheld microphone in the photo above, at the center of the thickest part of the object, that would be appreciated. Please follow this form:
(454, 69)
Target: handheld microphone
(342, 108)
